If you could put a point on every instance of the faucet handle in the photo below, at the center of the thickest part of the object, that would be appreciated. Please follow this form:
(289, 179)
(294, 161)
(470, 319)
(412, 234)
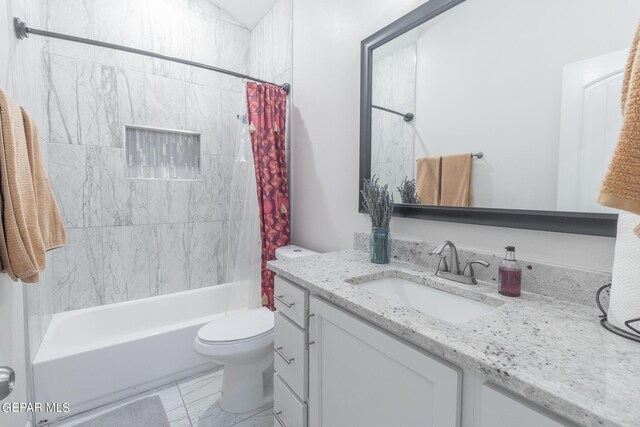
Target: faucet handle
(442, 265)
(468, 269)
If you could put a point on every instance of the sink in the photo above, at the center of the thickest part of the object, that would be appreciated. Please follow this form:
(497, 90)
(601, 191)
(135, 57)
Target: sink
(443, 305)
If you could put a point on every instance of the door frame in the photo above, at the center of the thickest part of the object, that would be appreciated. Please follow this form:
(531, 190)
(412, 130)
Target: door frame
(14, 351)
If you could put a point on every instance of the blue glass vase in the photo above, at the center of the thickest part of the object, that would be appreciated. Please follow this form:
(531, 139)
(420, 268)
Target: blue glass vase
(380, 245)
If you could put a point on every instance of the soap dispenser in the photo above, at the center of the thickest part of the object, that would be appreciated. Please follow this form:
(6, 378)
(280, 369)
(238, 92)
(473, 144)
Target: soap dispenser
(510, 274)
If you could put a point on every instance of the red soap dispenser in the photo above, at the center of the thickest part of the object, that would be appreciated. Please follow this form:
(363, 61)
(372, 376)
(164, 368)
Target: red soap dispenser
(510, 274)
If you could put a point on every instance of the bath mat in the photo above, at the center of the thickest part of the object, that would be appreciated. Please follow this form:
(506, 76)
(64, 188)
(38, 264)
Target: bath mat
(147, 412)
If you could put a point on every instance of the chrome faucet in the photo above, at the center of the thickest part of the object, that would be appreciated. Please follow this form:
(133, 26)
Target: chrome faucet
(455, 265)
(453, 273)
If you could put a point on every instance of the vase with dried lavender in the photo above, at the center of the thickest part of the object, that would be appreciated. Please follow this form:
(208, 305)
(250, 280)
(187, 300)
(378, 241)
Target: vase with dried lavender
(378, 202)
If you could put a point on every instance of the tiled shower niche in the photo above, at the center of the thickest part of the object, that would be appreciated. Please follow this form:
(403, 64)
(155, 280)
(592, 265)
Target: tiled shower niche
(153, 153)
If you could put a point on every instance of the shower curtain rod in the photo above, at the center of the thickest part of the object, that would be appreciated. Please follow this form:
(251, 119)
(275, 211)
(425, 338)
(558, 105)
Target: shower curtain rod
(406, 116)
(22, 31)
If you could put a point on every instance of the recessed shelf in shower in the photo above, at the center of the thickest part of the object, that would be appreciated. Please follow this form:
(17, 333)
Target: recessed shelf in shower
(155, 153)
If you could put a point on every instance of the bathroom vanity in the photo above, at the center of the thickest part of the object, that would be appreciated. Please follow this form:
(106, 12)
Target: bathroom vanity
(351, 352)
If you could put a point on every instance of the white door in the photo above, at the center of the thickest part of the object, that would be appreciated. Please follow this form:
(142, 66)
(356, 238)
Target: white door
(590, 124)
(12, 337)
(362, 376)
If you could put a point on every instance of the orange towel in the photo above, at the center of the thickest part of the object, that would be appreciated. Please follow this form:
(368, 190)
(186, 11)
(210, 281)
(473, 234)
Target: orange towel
(621, 186)
(428, 180)
(31, 221)
(456, 180)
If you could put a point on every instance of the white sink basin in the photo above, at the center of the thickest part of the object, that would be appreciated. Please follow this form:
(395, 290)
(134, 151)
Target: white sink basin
(443, 305)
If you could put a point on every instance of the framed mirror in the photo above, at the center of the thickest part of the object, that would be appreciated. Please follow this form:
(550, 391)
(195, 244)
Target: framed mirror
(497, 112)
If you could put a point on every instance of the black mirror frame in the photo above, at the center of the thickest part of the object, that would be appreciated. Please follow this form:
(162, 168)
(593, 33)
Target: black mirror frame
(595, 224)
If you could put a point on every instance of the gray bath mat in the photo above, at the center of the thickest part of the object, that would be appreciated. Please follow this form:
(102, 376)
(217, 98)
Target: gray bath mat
(147, 412)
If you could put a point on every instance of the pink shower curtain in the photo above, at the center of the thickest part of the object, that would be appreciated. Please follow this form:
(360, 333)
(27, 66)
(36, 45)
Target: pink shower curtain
(267, 104)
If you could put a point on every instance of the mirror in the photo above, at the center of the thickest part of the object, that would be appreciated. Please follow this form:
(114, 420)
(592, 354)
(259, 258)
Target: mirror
(498, 106)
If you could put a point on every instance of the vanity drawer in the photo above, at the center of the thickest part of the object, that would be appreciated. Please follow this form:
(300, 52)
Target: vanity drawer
(288, 410)
(291, 301)
(290, 355)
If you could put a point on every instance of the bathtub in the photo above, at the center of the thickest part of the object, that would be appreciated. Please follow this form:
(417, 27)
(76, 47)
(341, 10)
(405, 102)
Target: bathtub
(94, 356)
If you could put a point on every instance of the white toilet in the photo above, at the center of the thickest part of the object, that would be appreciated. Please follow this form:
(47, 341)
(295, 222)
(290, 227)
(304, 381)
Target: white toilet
(243, 343)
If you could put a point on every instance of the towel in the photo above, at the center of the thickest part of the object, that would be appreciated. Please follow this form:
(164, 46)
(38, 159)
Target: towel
(624, 303)
(456, 180)
(621, 186)
(49, 217)
(31, 221)
(428, 180)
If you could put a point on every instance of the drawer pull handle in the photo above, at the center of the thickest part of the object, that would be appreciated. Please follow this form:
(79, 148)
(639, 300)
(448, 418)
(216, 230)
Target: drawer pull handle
(286, 304)
(281, 354)
(277, 415)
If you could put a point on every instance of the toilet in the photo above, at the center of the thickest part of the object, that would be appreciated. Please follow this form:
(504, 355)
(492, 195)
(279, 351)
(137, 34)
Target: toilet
(243, 342)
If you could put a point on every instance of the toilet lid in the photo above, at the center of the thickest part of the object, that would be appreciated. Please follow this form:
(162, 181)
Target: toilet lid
(238, 326)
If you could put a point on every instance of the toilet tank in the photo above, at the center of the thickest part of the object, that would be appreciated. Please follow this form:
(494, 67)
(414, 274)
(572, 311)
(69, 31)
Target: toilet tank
(293, 252)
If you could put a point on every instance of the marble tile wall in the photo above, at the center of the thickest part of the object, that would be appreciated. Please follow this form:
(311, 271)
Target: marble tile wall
(270, 53)
(271, 50)
(393, 139)
(132, 238)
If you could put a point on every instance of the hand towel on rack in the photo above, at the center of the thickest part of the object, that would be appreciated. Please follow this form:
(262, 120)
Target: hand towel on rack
(456, 180)
(428, 180)
(621, 185)
(31, 221)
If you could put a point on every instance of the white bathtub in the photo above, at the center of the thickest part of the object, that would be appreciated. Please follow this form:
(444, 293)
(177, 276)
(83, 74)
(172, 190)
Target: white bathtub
(94, 356)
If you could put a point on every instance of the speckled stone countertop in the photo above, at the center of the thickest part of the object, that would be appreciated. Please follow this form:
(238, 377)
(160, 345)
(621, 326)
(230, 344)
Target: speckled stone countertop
(552, 352)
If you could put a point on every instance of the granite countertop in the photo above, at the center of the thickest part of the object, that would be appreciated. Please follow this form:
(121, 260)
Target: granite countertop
(552, 352)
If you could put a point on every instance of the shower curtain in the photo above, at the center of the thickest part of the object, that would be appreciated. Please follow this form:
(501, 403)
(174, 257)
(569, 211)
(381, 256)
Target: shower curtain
(266, 105)
(244, 244)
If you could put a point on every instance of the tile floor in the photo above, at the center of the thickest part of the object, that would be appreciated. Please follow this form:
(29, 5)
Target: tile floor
(192, 402)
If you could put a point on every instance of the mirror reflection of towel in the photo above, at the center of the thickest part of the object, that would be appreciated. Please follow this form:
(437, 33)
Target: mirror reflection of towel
(428, 180)
(456, 180)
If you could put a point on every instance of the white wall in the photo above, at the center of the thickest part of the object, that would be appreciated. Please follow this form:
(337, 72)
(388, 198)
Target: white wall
(499, 91)
(325, 120)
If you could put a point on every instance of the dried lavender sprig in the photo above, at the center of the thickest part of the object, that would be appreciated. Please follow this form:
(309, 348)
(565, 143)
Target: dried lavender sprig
(378, 202)
(408, 192)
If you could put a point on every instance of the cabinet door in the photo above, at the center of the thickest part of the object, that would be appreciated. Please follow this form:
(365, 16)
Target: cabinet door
(361, 376)
(499, 408)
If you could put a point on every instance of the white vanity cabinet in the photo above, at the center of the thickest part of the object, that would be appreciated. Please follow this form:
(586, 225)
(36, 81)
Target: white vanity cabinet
(362, 376)
(290, 348)
(334, 369)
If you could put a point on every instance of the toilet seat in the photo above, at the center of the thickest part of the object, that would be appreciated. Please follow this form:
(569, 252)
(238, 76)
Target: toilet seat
(239, 327)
